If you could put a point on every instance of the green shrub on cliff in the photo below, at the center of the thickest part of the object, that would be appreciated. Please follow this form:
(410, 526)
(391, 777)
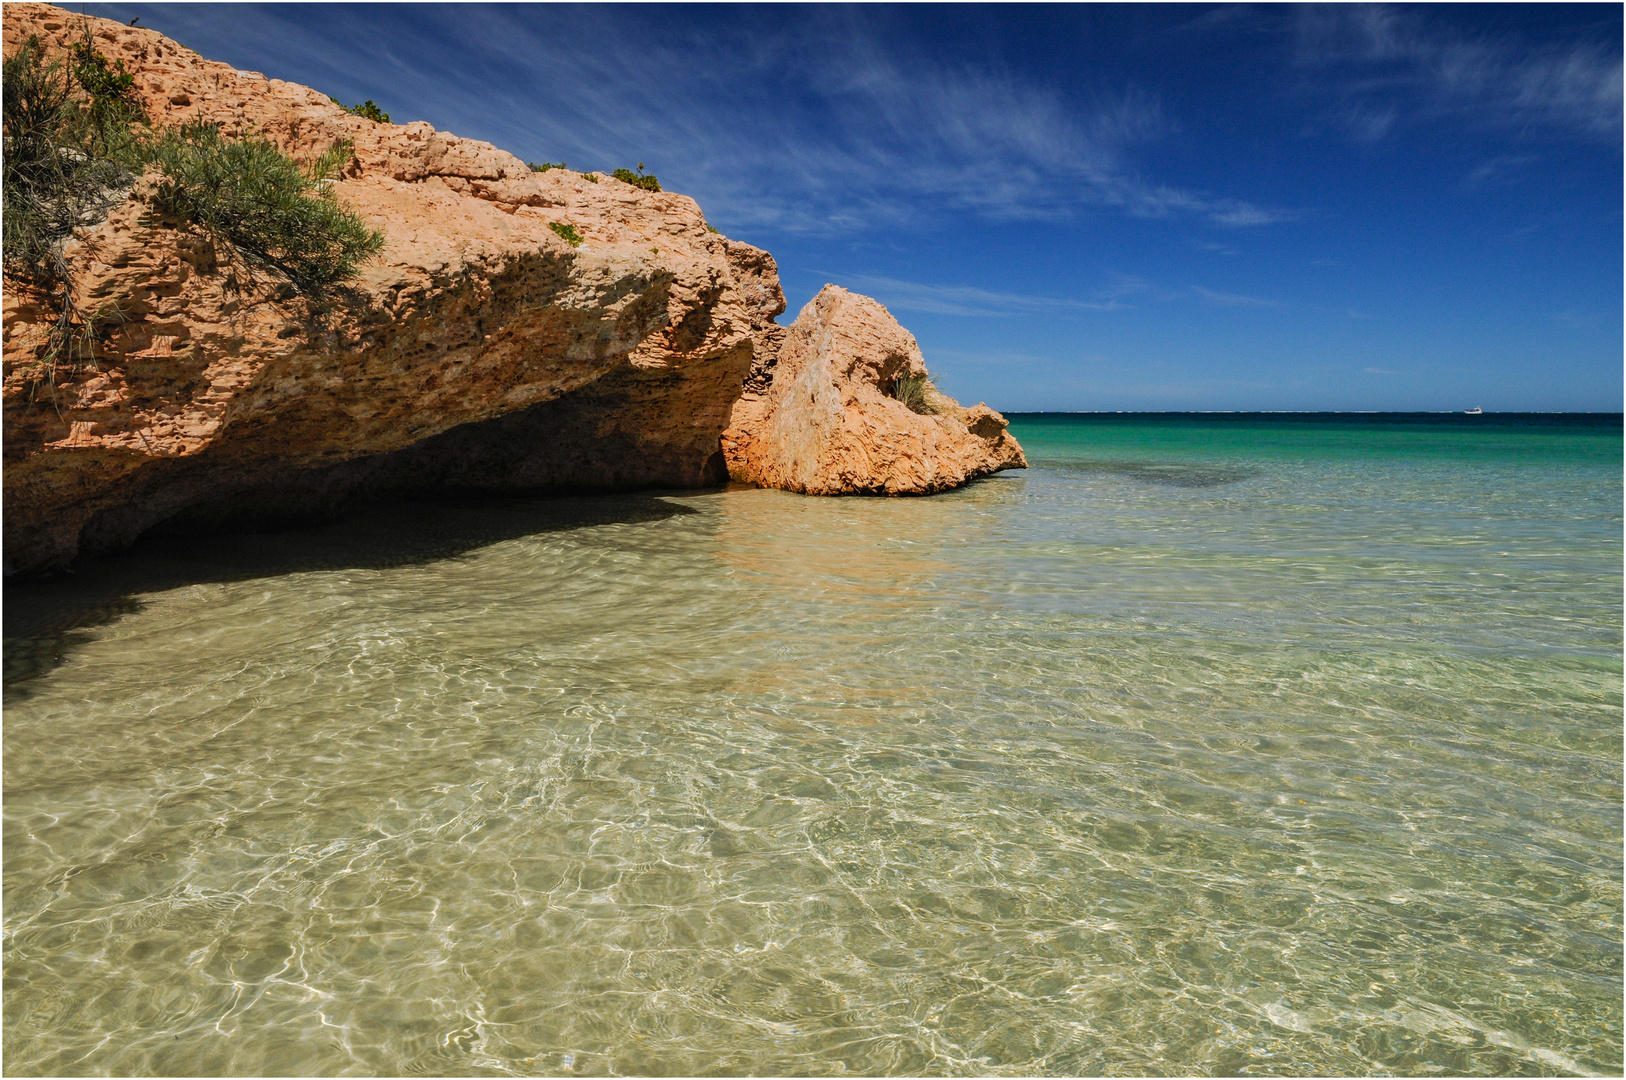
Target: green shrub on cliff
(638, 179)
(912, 391)
(272, 211)
(68, 146)
(110, 107)
(75, 137)
(366, 110)
(567, 233)
(544, 166)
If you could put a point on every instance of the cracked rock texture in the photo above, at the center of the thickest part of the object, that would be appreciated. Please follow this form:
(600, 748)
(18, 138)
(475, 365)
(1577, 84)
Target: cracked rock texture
(821, 420)
(479, 353)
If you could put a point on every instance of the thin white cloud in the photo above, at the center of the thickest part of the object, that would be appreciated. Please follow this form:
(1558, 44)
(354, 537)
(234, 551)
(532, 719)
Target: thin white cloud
(1149, 200)
(1238, 215)
(1225, 299)
(1497, 170)
(804, 119)
(969, 300)
(1391, 62)
(1367, 124)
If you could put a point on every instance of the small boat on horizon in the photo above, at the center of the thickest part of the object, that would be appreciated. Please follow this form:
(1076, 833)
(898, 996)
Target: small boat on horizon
(1475, 411)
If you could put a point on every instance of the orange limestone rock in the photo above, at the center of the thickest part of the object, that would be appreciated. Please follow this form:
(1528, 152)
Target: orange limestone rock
(820, 419)
(480, 352)
(485, 350)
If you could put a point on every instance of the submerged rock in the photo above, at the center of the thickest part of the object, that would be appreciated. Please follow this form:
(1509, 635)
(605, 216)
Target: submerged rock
(823, 420)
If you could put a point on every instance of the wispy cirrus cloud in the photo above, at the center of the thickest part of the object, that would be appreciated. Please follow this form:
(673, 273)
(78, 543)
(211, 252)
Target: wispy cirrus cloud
(1388, 63)
(1502, 169)
(1226, 299)
(1156, 200)
(1125, 291)
(972, 301)
(809, 119)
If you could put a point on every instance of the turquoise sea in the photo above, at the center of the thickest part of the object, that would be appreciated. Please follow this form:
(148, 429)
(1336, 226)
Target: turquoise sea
(1210, 744)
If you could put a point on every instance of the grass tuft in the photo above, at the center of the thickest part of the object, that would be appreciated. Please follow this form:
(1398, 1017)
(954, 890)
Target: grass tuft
(567, 233)
(912, 391)
(544, 166)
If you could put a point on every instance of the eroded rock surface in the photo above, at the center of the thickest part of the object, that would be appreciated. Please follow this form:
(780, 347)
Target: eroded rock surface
(820, 419)
(216, 392)
(480, 353)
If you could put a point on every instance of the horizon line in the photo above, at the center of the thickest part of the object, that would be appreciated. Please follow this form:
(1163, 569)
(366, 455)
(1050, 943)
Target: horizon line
(1308, 412)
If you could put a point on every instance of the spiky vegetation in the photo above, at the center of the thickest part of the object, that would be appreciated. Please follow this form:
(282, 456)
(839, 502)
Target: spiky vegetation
(69, 150)
(68, 147)
(544, 166)
(110, 107)
(914, 392)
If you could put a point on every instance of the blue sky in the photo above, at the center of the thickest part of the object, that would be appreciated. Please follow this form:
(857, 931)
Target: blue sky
(1081, 207)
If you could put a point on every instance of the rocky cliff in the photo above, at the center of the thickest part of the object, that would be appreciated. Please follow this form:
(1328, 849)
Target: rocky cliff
(480, 352)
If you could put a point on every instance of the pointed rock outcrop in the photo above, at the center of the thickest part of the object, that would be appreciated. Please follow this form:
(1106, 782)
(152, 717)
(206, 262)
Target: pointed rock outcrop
(820, 417)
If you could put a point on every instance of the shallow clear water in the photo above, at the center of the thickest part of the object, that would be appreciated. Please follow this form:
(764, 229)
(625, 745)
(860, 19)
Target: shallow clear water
(1206, 745)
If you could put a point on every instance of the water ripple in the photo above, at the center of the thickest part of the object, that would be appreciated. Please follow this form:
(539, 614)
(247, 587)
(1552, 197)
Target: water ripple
(1286, 772)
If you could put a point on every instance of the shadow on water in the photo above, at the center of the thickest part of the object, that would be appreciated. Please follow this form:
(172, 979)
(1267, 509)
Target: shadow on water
(1165, 475)
(46, 620)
